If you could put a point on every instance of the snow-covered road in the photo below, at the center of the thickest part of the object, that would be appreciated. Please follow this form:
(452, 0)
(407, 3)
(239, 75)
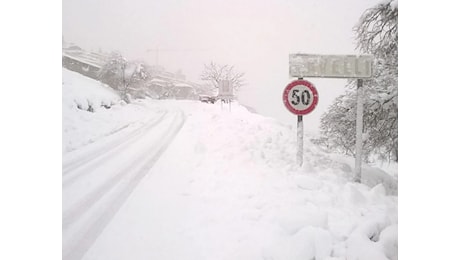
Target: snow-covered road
(108, 170)
(170, 179)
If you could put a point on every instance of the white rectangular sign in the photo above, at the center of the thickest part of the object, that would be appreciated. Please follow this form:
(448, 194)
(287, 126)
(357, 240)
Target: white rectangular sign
(225, 88)
(330, 66)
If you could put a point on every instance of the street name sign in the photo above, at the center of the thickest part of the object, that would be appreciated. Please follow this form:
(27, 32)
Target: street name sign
(330, 66)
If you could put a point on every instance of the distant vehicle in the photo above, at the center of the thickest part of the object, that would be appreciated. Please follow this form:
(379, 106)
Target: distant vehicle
(207, 99)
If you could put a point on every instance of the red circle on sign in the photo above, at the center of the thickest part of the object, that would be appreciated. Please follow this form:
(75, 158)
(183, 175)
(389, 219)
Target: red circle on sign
(296, 101)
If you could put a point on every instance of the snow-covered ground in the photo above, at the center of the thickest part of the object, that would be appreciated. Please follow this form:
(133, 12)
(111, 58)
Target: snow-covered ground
(167, 179)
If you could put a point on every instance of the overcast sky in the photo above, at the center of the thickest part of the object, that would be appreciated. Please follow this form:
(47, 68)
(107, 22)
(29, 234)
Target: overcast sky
(256, 36)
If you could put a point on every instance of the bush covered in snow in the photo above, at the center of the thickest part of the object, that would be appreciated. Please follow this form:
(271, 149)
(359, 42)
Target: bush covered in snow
(85, 93)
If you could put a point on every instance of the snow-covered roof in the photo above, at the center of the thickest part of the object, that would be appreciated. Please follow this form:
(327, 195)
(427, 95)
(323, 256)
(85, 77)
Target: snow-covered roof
(157, 80)
(82, 60)
(182, 85)
(91, 58)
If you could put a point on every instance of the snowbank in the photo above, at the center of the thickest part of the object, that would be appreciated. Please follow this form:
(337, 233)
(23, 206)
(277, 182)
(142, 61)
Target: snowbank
(85, 93)
(228, 187)
(82, 125)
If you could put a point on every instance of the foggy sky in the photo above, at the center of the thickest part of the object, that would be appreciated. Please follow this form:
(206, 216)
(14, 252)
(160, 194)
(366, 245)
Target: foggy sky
(255, 36)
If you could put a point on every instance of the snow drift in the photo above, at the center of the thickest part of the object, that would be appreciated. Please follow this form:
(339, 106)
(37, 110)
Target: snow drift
(227, 187)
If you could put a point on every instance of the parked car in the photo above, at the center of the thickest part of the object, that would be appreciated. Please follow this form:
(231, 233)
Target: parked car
(207, 99)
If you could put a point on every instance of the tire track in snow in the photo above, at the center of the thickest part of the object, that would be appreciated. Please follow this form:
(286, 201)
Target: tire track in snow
(113, 194)
(79, 167)
(85, 144)
(74, 213)
(75, 163)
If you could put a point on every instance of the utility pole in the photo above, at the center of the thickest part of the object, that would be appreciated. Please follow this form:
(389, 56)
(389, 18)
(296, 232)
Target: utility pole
(156, 57)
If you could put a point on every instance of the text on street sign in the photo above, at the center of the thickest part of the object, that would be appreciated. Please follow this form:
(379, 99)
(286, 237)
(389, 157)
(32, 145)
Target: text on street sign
(330, 66)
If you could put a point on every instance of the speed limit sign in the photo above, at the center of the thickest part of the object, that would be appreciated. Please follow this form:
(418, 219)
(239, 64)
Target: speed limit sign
(300, 97)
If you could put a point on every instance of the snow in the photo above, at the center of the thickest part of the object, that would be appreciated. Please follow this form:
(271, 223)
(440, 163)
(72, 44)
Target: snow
(78, 91)
(168, 179)
(393, 3)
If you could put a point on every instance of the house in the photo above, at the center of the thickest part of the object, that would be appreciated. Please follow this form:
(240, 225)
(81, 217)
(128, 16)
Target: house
(183, 91)
(159, 88)
(81, 66)
(87, 63)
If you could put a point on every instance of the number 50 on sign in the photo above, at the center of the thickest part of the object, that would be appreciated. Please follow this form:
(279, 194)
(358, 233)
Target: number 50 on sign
(300, 97)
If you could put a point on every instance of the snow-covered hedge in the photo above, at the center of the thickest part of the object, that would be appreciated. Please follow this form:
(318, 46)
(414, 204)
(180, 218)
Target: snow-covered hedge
(85, 93)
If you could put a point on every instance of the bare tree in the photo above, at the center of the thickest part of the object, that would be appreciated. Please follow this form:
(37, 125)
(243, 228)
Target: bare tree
(216, 73)
(377, 30)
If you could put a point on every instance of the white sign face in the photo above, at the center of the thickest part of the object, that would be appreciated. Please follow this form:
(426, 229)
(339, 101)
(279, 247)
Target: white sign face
(330, 66)
(300, 97)
(225, 88)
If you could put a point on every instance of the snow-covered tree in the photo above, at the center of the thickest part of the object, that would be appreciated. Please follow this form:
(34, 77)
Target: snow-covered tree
(113, 71)
(215, 73)
(377, 34)
(127, 77)
(136, 78)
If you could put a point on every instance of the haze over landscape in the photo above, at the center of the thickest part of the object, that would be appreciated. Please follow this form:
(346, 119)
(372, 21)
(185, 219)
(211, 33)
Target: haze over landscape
(154, 168)
(254, 36)
(86, 175)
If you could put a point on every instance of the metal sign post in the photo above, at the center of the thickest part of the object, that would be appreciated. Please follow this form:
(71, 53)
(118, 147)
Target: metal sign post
(300, 140)
(359, 130)
(225, 93)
